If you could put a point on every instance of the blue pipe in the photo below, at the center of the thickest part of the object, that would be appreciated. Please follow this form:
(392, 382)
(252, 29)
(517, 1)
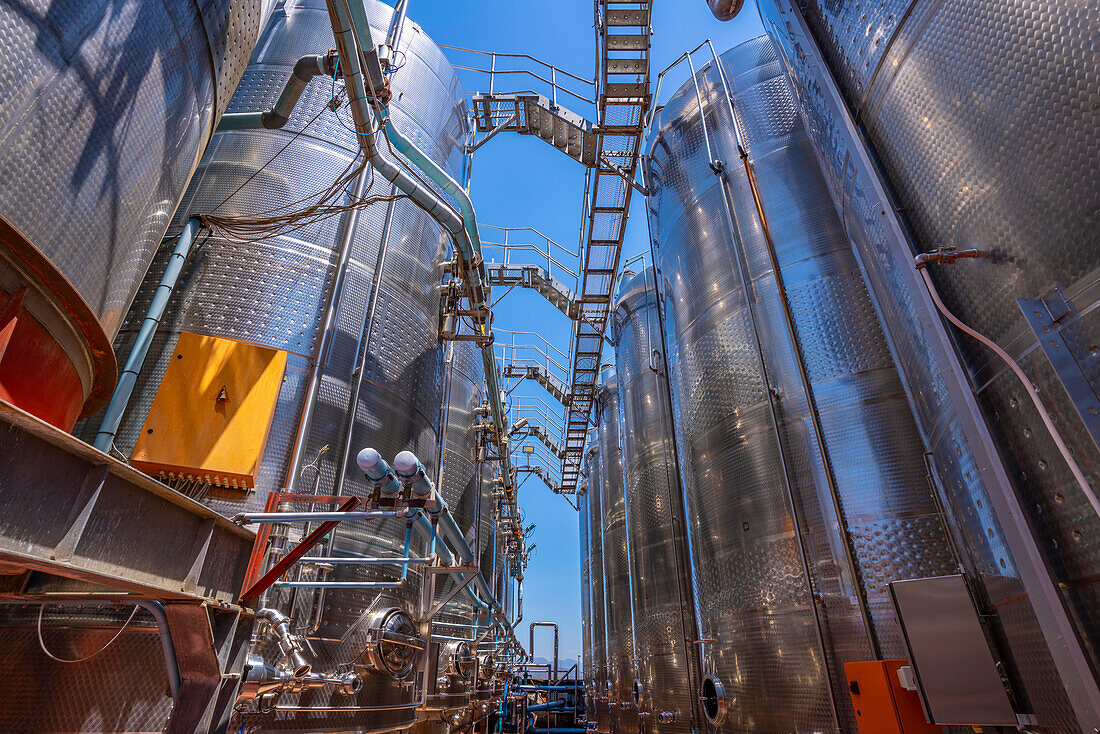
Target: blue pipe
(408, 541)
(120, 400)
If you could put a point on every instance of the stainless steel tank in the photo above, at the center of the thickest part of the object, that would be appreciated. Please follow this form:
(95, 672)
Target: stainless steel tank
(461, 484)
(585, 674)
(598, 610)
(105, 109)
(621, 672)
(946, 101)
(802, 465)
(381, 380)
(660, 575)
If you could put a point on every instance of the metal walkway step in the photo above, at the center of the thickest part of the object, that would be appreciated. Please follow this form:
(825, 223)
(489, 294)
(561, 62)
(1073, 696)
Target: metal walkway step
(534, 114)
(553, 385)
(541, 473)
(540, 433)
(538, 279)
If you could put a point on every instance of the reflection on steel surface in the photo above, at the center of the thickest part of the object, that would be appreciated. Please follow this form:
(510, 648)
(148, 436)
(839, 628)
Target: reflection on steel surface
(660, 575)
(802, 465)
(617, 587)
(950, 155)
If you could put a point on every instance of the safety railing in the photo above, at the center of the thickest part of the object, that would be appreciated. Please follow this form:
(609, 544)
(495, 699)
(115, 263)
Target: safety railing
(538, 411)
(529, 349)
(551, 80)
(528, 246)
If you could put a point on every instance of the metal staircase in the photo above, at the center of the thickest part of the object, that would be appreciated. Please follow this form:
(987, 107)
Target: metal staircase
(535, 372)
(609, 148)
(534, 114)
(537, 431)
(540, 472)
(538, 279)
(623, 98)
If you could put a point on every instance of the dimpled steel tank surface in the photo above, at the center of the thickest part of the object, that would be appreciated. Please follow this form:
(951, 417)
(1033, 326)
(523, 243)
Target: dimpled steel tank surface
(1008, 77)
(947, 95)
(616, 559)
(660, 574)
(593, 462)
(102, 121)
(382, 379)
(801, 460)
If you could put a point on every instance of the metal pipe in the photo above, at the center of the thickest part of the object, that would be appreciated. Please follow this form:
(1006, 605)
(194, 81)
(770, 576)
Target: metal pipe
(404, 560)
(167, 645)
(247, 518)
(804, 378)
(352, 33)
(124, 390)
(725, 9)
(532, 642)
(340, 584)
(347, 240)
(290, 644)
(305, 69)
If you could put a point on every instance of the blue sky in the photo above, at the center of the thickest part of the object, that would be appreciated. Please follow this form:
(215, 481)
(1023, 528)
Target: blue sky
(521, 181)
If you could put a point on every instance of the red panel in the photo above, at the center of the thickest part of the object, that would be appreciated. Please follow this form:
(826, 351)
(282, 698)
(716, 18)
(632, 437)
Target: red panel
(35, 372)
(882, 706)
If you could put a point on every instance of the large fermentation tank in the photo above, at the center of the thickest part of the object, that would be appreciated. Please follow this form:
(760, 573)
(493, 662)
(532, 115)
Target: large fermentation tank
(462, 485)
(659, 565)
(947, 97)
(621, 674)
(597, 619)
(586, 597)
(105, 108)
(382, 379)
(802, 464)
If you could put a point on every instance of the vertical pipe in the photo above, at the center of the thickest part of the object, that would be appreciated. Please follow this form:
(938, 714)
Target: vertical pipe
(120, 400)
(346, 242)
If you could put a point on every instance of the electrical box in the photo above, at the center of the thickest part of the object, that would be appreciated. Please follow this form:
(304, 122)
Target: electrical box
(881, 704)
(211, 415)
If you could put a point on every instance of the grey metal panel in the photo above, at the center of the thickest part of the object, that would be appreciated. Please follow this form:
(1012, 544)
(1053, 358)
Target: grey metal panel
(659, 574)
(951, 104)
(621, 659)
(831, 421)
(105, 108)
(958, 679)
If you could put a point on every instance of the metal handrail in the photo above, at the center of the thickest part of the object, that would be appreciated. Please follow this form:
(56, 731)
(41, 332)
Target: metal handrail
(507, 247)
(552, 82)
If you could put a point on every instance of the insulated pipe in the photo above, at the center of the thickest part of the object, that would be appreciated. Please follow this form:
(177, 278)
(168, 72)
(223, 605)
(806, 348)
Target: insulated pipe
(349, 25)
(120, 400)
(305, 69)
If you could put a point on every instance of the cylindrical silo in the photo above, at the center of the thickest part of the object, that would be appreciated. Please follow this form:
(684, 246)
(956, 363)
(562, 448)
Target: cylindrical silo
(660, 573)
(585, 674)
(802, 464)
(381, 379)
(105, 109)
(621, 672)
(461, 485)
(980, 122)
(593, 461)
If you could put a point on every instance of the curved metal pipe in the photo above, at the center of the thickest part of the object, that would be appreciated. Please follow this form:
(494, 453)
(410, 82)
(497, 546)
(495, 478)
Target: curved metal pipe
(120, 400)
(305, 69)
(167, 646)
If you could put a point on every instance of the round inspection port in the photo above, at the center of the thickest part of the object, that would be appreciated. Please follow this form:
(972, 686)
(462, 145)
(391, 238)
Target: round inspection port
(639, 691)
(713, 696)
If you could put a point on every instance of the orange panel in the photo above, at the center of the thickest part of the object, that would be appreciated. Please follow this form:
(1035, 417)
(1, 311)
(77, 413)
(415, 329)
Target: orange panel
(881, 705)
(212, 412)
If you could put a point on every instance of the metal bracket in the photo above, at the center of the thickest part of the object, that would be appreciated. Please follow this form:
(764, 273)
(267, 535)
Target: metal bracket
(454, 592)
(1043, 316)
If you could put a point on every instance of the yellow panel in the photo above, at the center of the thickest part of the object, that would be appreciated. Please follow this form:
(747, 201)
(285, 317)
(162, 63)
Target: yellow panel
(212, 412)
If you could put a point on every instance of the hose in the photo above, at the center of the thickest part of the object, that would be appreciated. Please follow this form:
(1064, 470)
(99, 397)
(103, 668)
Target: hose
(51, 656)
(1086, 488)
